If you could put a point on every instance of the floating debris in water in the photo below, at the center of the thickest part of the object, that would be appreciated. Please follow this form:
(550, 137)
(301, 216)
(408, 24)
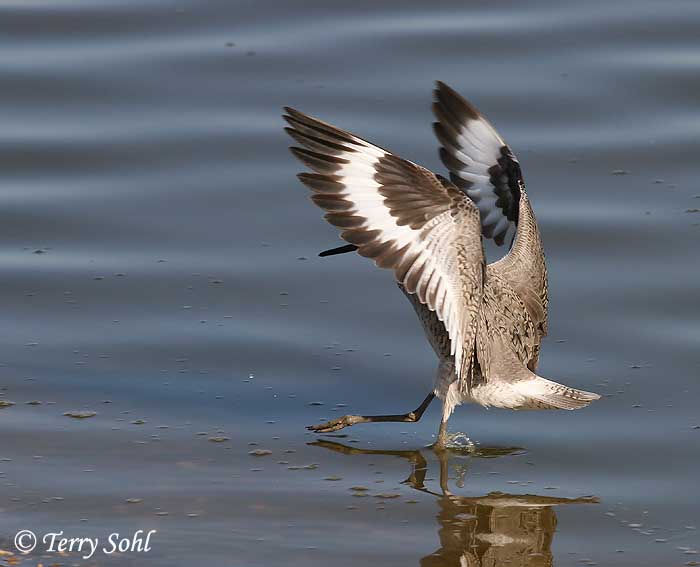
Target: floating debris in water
(134, 500)
(219, 439)
(692, 210)
(388, 495)
(310, 467)
(359, 488)
(333, 478)
(619, 172)
(6, 404)
(80, 414)
(260, 452)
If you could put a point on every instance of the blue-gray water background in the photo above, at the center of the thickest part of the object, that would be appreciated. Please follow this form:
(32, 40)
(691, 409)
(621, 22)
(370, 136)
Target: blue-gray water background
(158, 266)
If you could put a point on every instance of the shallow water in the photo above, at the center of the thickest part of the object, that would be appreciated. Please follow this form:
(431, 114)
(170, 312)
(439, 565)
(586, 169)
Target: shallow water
(158, 267)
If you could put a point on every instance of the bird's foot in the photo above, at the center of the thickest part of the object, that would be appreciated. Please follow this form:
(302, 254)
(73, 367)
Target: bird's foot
(336, 424)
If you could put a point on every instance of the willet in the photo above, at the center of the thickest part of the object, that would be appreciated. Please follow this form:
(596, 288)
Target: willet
(484, 321)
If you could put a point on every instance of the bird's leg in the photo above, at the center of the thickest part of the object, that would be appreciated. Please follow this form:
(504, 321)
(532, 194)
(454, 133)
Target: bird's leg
(441, 442)
(348, 420)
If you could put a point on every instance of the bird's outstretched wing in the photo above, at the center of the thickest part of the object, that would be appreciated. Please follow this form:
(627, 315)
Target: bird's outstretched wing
(483, 165)
(403, 217)
(480, 162)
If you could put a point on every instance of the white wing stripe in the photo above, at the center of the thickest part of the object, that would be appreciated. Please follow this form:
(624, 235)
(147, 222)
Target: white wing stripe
(402, 216)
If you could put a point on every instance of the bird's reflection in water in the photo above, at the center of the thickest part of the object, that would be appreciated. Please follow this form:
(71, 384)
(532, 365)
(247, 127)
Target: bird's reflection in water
(487, 531)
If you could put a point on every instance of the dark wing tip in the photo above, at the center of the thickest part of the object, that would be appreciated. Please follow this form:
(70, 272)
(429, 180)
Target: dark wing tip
(297, 151)
(441, 86)
(290, 115)
(319, 129)
(318, 162)
(455, 103)
(293, 112)
(296, 118)
(444, 87)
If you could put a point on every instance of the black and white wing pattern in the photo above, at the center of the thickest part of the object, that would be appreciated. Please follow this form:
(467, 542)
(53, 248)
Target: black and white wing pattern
(480, 162)
(483, 165)
(403, 217)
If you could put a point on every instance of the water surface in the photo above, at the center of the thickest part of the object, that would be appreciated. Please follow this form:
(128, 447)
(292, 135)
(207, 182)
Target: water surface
(158, 267)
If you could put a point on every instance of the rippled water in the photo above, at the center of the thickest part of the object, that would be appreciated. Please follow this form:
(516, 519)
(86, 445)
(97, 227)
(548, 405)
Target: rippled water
(158, 266)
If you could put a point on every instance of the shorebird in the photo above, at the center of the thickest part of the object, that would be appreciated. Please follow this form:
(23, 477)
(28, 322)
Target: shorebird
(484, 321)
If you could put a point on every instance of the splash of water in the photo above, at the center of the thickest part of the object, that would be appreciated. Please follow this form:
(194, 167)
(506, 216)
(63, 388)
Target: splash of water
(460, 442)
